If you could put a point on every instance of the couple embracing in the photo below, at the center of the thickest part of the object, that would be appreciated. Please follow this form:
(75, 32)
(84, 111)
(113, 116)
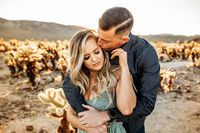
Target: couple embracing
(113, 77)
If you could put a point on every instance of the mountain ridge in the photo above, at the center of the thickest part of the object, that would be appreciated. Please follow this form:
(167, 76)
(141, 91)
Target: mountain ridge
(29, 29)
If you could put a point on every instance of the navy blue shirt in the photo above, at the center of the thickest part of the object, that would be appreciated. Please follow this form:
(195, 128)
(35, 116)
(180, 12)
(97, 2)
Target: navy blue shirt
(145, 69)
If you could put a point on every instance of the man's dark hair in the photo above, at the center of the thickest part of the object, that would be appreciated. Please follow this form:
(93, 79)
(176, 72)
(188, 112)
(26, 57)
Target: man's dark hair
(118, 17)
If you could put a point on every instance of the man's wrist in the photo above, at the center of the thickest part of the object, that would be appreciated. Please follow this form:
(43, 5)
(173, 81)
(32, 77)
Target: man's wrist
(105, 116)
(112, 114)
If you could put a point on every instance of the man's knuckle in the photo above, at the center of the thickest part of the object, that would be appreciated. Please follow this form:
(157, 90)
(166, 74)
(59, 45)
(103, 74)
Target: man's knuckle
(104, 127)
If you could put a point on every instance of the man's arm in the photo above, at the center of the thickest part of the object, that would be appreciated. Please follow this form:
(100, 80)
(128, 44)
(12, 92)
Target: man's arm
(73, 95)
(73, 119)
(149, 82)
(78, 104)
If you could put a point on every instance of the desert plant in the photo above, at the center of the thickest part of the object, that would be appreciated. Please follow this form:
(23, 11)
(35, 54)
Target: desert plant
(57, 107)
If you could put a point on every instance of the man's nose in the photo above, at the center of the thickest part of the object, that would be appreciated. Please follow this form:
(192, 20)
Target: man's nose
(99, 42)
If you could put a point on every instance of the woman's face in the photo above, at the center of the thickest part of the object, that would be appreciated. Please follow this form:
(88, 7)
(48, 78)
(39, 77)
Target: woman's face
(93, 55)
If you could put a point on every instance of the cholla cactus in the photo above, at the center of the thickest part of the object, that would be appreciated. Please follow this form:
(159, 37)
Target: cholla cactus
(5, 46)
(195, 54)
(62, 67)
(51, 53)
(10, 61)
(56, 99)
(62, 62)
(28, 56)
(194, 64)
(166, 80)
(180, 50)
(57, 107)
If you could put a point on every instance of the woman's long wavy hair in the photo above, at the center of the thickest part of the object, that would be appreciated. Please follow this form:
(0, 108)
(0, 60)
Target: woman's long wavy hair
(79, 74)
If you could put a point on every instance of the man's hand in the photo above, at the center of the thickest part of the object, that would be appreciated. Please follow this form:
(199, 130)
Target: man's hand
(92, 117)
(99, 129)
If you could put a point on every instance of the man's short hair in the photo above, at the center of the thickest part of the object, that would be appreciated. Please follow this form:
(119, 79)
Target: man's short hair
(118, 17)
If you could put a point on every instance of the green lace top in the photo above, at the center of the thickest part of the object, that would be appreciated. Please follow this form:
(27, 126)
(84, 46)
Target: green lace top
(102, 103)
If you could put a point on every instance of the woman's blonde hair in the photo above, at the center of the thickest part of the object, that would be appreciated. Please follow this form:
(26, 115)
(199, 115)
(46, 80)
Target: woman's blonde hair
(79, 74)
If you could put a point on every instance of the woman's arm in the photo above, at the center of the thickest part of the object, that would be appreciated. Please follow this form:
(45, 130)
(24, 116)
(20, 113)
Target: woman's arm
(125, 94)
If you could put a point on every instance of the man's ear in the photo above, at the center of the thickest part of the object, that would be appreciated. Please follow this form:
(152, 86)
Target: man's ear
(125, 39)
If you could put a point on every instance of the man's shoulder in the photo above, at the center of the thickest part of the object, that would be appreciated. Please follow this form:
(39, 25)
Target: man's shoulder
(67, 83)
(69, 87)
(137, 44)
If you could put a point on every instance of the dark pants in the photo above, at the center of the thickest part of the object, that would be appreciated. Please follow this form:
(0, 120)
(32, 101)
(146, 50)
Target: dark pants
(141, 130)
(136, 126)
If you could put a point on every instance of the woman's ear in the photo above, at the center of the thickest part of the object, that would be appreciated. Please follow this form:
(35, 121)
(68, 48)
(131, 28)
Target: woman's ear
(125, 39)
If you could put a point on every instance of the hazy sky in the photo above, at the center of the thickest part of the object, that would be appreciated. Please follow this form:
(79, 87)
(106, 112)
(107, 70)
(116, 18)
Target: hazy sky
(151, 16)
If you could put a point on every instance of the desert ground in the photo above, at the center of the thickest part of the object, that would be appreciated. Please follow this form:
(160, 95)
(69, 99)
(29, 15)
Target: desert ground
(175, 112)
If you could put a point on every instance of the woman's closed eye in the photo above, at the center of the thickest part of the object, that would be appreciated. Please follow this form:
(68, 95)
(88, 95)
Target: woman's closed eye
(86, 57)
(97, 52)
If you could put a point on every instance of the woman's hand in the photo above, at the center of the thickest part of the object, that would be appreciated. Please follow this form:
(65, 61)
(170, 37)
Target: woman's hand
(122, 57)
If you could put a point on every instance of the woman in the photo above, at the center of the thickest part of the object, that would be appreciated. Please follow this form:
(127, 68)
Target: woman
(102, 86)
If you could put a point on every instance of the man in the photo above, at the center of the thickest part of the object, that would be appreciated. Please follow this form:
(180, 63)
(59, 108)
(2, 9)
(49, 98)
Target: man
(114, 31)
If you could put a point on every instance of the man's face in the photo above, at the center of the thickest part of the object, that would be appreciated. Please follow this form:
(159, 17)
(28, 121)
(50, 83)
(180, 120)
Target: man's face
(108, 40)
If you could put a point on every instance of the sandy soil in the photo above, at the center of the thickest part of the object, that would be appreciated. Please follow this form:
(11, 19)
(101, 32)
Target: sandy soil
(175, 112)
